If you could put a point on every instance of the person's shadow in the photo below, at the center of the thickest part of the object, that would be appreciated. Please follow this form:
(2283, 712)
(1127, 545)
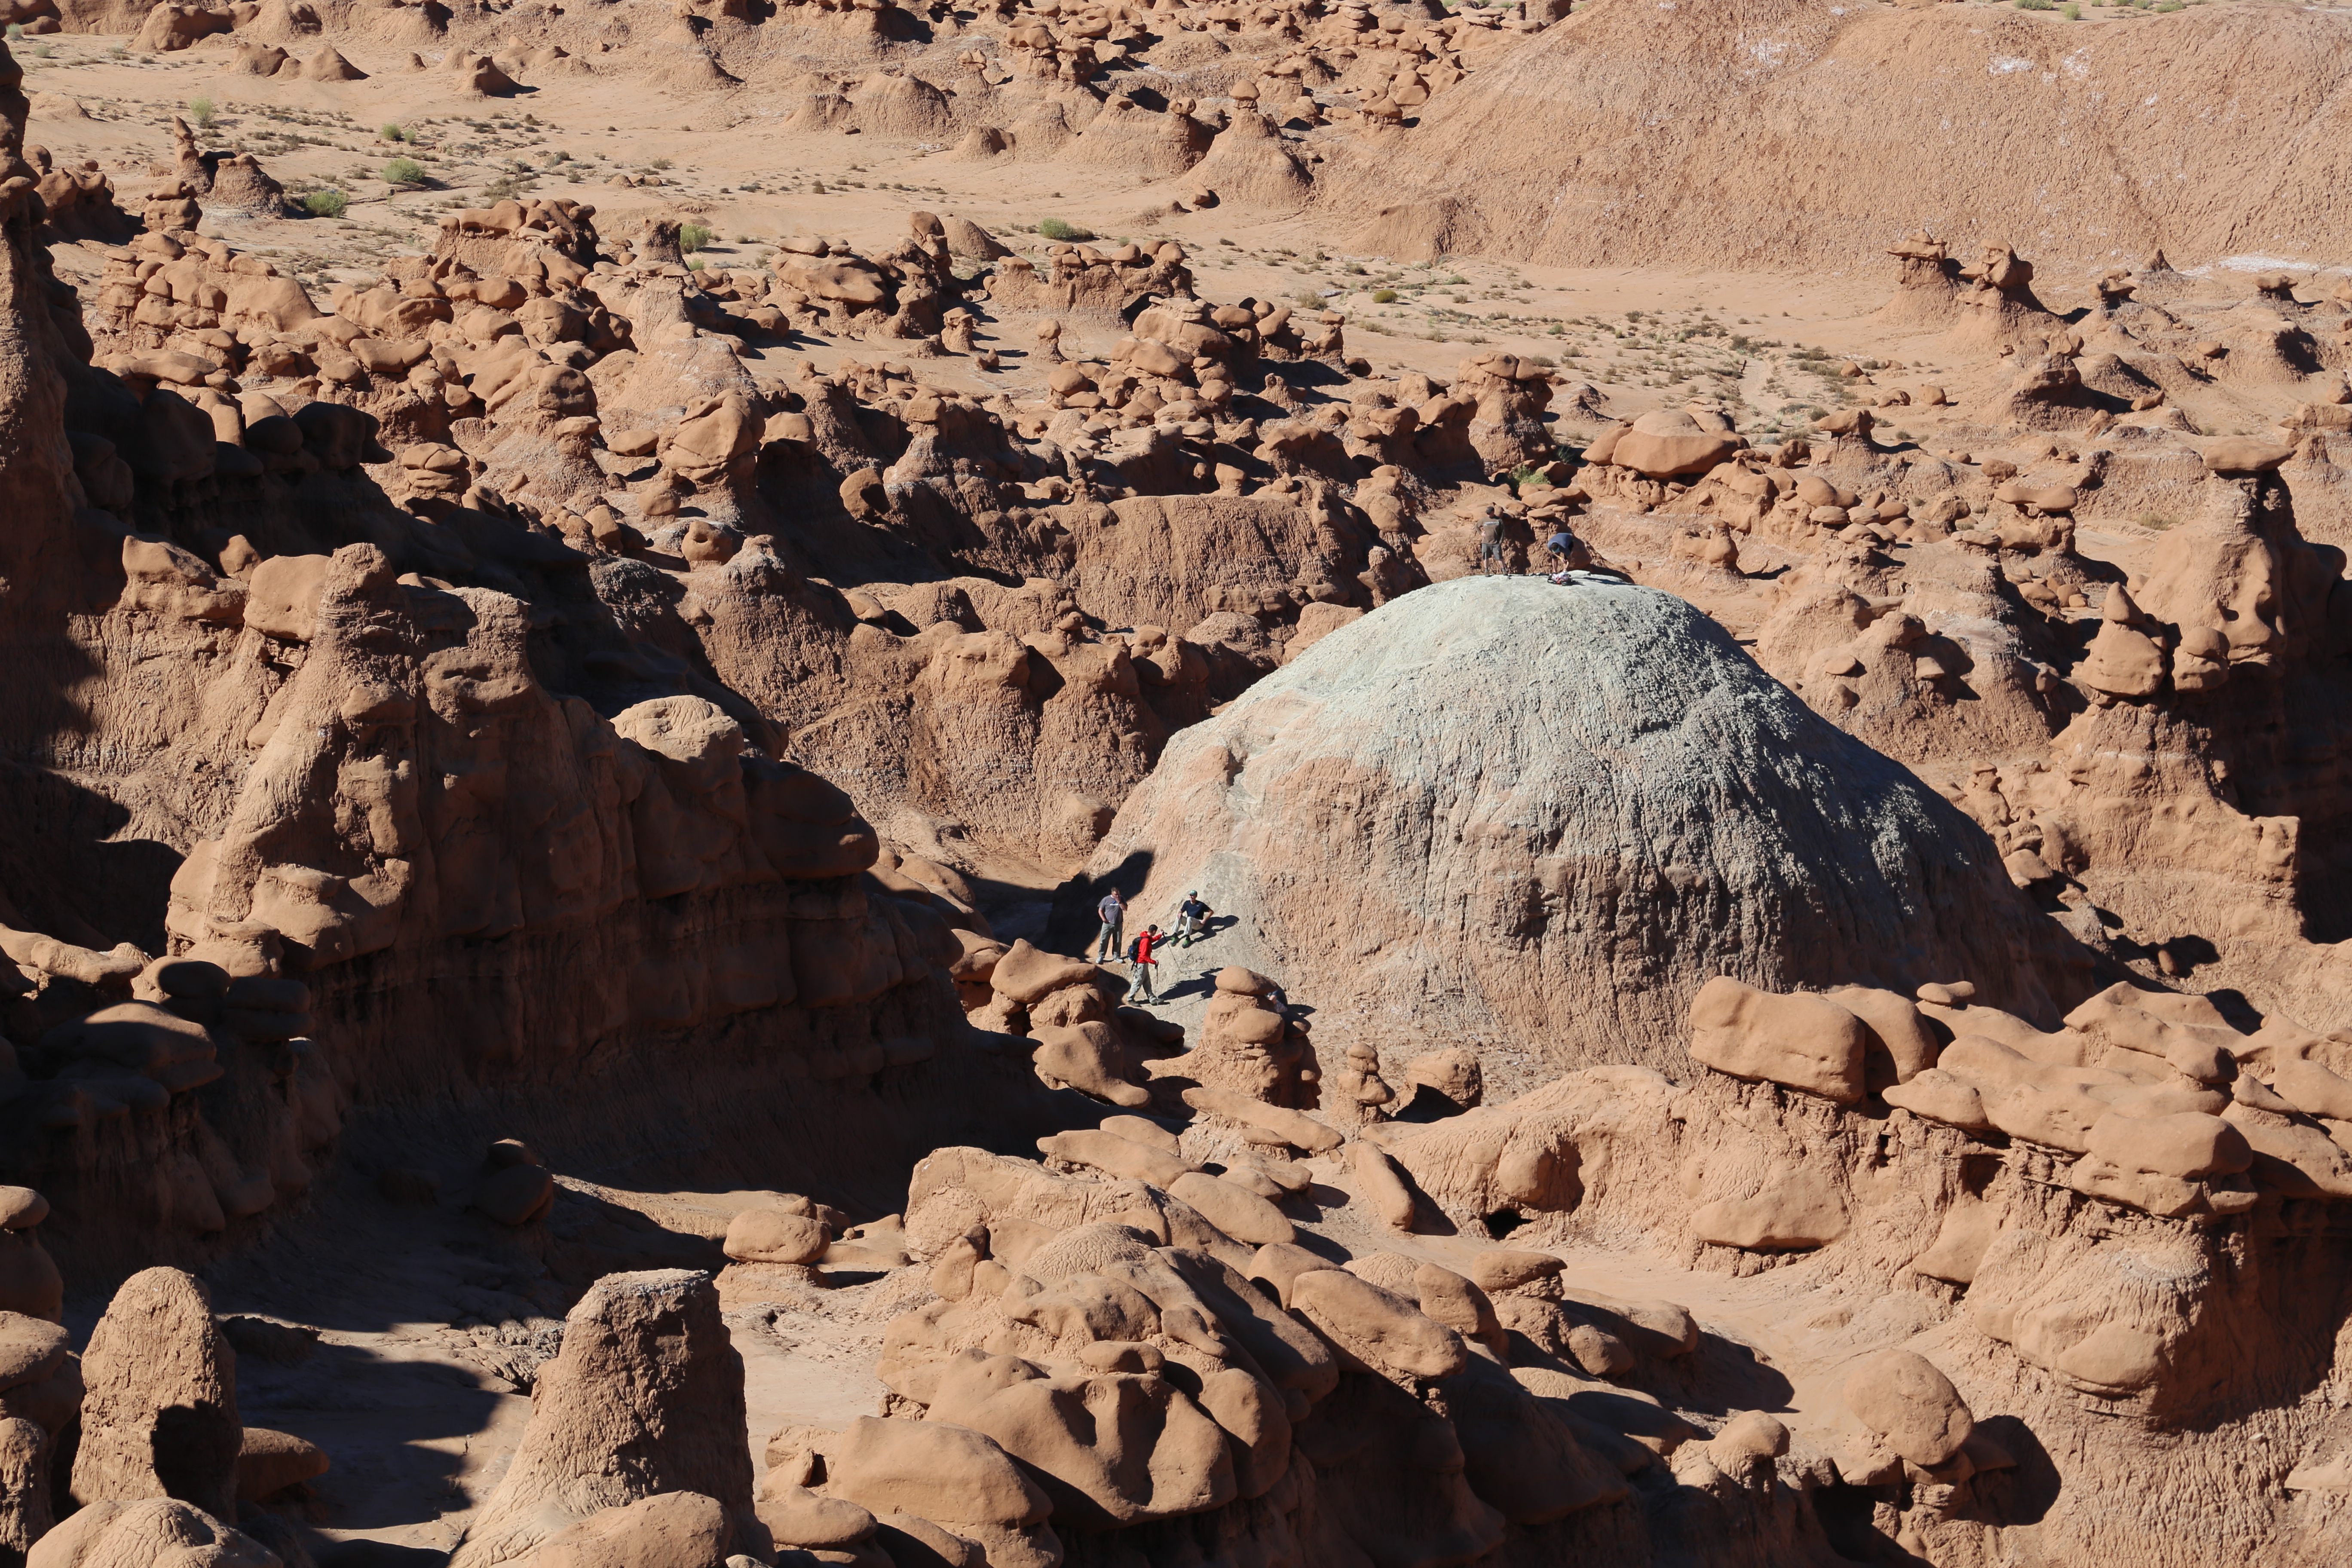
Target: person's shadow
(1200, 984)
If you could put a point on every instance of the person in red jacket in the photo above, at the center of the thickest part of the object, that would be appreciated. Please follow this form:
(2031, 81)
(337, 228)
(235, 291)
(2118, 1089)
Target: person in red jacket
(1139, 953)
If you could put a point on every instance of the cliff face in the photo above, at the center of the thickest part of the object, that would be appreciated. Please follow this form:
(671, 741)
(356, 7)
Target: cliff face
(1782, 134)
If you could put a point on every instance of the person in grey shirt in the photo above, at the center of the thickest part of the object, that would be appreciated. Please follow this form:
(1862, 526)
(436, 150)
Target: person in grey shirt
(1112, 911)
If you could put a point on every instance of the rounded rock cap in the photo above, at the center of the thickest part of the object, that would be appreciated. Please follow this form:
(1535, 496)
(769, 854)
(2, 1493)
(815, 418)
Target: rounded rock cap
(22, 1208)
(1235, 981)
(2245, 455)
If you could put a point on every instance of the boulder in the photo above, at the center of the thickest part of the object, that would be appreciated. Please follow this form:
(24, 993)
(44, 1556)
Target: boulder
(1749, 1438)
(951, 1472)
(673, 1529)
(1381, 1185)
(1115, 1155)
(1669, 443)
(2239, 455)
(1447, 1298)
(1797, 1210)
(1234, 1209)
(1911, 1404)
(516, 1195)
(796, 1516)
(773, 1236)
(1507, 1269)
(269, 1462)
(1380, 1329)
(31, 1282)
(114, 1534)
(2188, 1145)
(1111, 1447)
(1801, 1041)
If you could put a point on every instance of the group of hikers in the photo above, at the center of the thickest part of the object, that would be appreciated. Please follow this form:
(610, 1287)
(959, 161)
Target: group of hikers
(1192, 926)
(1561, 546)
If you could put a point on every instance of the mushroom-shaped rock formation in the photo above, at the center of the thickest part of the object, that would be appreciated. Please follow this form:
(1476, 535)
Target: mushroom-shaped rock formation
(1564, 859)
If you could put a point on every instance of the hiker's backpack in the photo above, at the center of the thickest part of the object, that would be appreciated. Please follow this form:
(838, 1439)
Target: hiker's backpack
(1135, 951)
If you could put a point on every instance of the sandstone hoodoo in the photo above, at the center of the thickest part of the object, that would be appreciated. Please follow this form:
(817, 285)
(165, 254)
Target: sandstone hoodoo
(1082, 784)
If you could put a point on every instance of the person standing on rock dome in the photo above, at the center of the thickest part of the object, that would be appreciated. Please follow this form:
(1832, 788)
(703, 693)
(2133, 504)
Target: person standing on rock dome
(1490, 542)
(1191, 916)
(1139, 954)
(1112, 911)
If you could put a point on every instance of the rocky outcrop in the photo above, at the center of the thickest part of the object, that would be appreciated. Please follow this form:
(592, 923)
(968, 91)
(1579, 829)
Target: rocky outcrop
(160, 1417)
(1589, 791)
(644, 1403)
(104, 1532)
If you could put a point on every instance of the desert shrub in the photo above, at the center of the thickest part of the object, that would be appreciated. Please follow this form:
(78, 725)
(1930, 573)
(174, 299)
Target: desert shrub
(692, 238)
(1384, 296)
(1063, 229)
(326, 204)
(201, 110)
(2036, 4)
(403, 172)
(396, 133)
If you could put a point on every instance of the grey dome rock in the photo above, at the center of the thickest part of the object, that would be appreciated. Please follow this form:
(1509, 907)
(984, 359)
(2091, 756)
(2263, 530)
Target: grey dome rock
(1499, 808)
